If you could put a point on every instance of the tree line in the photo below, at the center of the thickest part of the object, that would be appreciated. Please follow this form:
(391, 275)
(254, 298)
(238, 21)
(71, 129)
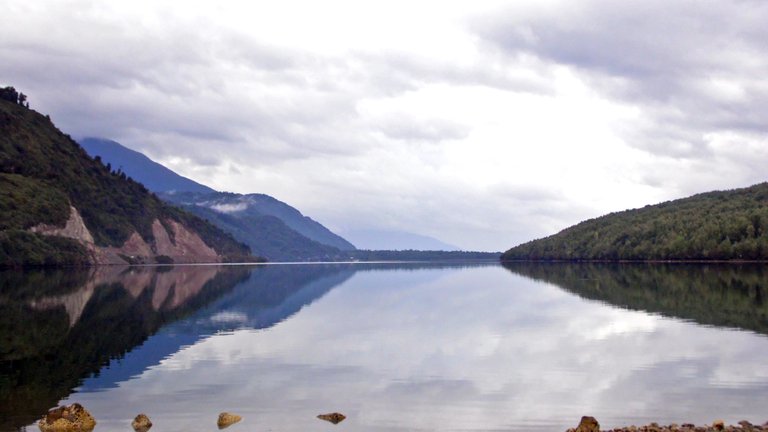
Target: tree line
(11, 95)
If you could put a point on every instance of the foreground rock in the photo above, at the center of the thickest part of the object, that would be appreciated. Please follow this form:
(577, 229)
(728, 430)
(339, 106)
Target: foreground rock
(73, 418)
(589, 424)
(227, 419)
(141, 423)
(334, 418)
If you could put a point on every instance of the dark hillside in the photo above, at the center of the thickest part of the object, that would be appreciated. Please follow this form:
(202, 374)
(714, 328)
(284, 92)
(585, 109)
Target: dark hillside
(722, 225)
(43, 171)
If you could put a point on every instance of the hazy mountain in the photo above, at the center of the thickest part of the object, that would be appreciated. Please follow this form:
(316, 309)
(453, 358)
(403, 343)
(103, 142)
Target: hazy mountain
(395, 240)
(272, 228)
(268, 236)
(151, 174)
(257, 205)
(60, 206)
(721, 225)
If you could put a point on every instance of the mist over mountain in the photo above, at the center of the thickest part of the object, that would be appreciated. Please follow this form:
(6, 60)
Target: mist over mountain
(258, 205)
(396, 240)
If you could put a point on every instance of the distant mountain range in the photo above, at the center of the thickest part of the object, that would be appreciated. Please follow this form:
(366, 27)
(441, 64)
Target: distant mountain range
(396, 240)
(721, 225)
(242, 206)
(154, 176)
(271, 228)
(58, 206)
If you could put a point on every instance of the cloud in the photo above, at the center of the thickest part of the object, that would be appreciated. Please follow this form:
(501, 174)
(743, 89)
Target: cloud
(500, 124)
(691, 72)
(418, 350)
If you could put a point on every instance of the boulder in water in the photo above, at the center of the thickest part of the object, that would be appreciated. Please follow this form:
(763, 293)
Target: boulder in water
(73, 418)
(141, 423)
(227, 419)
(334, 418)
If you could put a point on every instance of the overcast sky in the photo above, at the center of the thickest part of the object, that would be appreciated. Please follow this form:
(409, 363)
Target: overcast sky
(482, 123)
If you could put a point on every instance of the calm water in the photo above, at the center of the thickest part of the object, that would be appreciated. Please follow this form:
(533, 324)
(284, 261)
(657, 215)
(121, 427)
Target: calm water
(394, 347)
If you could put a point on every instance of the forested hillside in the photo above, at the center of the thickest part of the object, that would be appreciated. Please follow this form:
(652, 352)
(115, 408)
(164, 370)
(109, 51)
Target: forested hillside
(722, 225)
(43, 173)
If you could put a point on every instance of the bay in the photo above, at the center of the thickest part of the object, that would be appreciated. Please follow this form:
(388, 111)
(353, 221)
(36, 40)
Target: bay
(395, 347)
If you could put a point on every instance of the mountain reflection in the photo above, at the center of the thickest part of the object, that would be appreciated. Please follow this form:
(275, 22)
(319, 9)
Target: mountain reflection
(59, 326)
(68, 329)
(723, 295)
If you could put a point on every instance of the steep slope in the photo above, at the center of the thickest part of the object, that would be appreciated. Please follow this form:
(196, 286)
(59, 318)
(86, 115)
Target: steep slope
(59, 206)
(269, 236)
(722, 225)
(151, 174)
(250, 218)
(239, 206)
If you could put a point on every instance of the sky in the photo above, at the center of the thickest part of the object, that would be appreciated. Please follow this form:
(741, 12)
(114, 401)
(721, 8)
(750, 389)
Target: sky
(484, 124)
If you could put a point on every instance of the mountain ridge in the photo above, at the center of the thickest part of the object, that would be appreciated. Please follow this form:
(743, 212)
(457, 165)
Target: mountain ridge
(152, 174)
(270, 227)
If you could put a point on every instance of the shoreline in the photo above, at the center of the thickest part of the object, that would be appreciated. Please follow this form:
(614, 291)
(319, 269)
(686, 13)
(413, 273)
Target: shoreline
(590, 424)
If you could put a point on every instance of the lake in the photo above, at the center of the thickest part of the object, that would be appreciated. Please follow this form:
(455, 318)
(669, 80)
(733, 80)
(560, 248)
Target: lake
(394, 347)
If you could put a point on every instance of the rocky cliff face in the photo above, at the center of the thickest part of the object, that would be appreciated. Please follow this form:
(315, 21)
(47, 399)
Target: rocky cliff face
(180, 245)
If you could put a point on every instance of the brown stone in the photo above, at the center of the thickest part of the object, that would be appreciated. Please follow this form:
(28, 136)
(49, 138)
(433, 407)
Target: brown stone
(588, 424)
(73, 418)
(334, 418)
(141, 423)
(718, 424)
(227, 419)
(746, 425)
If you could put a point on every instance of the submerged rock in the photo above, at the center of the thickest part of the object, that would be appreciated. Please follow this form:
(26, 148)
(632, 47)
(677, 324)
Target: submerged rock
(141, 423)
(334, 418)
(227, 419)
(73, 418)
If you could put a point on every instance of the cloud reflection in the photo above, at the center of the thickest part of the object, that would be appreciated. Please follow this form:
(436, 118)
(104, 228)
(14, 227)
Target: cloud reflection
(462, 349)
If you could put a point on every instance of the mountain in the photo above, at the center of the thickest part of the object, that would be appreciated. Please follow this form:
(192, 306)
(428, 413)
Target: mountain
(720, 225)
(250, 205)
(59, 206)
(396, 240)
(272, 228)
(268, 236)
(151, 174)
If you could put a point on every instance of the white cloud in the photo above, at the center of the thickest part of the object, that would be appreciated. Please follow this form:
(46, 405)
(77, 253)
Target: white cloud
(426, 117)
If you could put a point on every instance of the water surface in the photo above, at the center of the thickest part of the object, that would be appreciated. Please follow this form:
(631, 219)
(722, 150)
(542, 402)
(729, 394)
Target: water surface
(394, 347)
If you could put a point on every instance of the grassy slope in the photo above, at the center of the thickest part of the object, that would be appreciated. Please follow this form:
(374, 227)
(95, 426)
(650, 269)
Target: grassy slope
(722, 225)
(42, 170)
